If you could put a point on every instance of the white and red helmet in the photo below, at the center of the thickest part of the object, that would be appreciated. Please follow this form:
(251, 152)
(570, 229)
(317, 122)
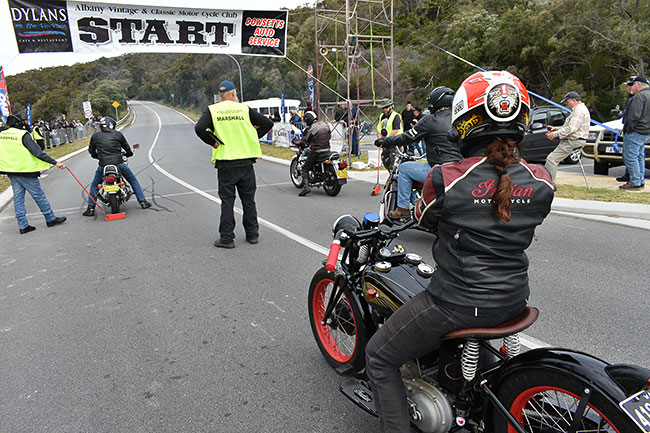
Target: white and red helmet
(490, 104)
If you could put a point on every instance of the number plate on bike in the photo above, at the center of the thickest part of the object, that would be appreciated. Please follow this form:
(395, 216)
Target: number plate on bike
(342, 174)
(638, 408)
(111, 188)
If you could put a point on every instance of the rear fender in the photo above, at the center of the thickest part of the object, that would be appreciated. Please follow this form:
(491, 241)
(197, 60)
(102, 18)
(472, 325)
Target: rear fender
(613, 382)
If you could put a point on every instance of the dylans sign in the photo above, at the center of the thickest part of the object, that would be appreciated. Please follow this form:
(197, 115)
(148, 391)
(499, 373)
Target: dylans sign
(51, 26)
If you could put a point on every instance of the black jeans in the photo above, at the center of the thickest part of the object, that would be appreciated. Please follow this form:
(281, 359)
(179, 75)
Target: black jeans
(242, 179)
(412, 331)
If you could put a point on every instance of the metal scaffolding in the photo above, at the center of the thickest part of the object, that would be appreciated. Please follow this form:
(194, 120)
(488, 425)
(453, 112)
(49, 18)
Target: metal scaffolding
(354, 53)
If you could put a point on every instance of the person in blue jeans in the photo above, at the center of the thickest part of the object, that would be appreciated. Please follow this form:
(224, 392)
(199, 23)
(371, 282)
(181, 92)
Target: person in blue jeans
(636, 129)
(22, 160)
(106, 145)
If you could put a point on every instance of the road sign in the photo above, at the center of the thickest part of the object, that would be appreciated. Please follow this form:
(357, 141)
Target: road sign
(88, 111)
(116, 104)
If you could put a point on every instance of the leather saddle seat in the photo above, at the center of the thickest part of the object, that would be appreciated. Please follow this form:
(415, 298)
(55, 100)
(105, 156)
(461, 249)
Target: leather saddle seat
(512, 326)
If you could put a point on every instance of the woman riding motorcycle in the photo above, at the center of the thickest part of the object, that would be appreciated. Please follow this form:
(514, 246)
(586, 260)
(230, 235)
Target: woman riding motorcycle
(484, 210)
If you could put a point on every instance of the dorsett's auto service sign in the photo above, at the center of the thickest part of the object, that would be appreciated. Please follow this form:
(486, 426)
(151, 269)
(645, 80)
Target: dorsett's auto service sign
(81, 27)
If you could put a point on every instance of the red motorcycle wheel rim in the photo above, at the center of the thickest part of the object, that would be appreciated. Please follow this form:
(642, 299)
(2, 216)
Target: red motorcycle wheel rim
(327, 340)
(523, 399)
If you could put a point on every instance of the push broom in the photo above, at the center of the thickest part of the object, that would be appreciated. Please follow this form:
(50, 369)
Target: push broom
(377, 187)
(108, 217)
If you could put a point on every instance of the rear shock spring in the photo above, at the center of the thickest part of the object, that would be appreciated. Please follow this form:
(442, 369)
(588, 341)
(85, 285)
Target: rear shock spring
(469, 359)
(512, 345)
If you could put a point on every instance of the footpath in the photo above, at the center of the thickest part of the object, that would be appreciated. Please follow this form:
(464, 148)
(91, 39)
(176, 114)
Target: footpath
(625, 214)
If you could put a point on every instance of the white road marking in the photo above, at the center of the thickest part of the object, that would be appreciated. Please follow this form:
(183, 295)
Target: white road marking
(529, 342)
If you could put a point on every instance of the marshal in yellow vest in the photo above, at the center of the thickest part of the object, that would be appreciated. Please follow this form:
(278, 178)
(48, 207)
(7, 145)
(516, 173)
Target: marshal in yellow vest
(233, 127)
(389, 123)
(14, 157)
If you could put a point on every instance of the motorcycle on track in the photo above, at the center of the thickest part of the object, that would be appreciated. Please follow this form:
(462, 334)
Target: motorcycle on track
(388, 200)
(468, 384)
(114, 190)
(329, 171)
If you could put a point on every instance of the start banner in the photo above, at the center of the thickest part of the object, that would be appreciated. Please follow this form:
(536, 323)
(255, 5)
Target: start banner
(83, 27)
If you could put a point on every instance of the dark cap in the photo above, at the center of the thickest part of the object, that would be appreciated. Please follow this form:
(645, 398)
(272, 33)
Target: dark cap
(637, 79)
(226, 86)
(416, 108)
(571, 95)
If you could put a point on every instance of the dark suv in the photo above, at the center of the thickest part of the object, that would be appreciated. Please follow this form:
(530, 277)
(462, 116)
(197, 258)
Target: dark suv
(535, 146)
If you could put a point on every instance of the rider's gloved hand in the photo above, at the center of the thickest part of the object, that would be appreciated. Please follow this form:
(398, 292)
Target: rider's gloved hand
(380, 142)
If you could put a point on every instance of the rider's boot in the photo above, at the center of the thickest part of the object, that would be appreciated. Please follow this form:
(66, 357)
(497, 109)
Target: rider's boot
(400, 212)
(90, 210)
(306, 189)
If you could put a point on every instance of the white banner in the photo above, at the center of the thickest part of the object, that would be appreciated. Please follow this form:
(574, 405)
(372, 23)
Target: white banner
(80, 27)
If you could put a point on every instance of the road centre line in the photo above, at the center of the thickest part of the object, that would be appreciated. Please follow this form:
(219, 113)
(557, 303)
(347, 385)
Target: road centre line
(530, 342)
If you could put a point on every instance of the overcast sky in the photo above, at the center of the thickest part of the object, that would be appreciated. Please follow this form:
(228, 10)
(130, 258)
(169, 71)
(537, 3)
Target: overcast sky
(13, 63)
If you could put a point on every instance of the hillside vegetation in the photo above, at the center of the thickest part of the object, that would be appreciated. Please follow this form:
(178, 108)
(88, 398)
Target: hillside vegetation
(590, 46)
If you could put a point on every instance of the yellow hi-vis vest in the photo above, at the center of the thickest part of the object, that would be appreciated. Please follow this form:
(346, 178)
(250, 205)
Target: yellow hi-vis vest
(36, 133)
(233, 127)
(14, 156)
(389, 123)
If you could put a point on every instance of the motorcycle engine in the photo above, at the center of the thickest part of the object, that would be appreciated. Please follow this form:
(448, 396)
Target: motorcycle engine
(429, 406)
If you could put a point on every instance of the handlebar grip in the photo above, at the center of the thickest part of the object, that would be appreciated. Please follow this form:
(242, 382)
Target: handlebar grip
(333, 256)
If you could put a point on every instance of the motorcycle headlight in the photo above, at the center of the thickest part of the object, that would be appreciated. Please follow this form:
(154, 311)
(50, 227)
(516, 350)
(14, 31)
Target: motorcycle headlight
(345, 222)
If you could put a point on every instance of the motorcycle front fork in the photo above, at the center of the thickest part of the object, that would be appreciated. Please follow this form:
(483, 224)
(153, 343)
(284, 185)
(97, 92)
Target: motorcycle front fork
(339, 286)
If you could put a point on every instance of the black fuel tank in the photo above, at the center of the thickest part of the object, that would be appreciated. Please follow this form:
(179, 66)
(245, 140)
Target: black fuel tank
(394, 284)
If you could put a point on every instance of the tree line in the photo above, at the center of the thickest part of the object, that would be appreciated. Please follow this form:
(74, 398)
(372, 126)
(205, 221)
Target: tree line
(590, 46)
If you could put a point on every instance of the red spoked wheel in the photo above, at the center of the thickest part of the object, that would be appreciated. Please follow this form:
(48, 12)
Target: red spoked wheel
(342, 339)
(547, 402)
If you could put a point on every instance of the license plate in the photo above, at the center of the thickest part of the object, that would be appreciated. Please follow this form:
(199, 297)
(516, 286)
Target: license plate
(638, 408)
(342, 174)
(111, 188)
(610, 149)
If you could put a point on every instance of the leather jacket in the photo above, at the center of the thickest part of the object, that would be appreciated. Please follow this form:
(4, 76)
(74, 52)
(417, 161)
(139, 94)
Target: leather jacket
(433, 129)
(317, 137)
(482, 267)
(107, 145)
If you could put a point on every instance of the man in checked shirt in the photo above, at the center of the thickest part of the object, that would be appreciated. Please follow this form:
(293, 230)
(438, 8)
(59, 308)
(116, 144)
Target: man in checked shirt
(572, 135)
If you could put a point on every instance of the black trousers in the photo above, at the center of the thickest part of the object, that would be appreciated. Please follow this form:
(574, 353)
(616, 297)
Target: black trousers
(241, 179)
(412, 331)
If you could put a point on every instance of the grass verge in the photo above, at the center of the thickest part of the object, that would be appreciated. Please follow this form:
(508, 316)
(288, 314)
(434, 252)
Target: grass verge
(601, 194)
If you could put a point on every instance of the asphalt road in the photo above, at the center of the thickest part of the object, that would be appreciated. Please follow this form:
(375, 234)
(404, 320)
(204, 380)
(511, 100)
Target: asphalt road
(141, 325)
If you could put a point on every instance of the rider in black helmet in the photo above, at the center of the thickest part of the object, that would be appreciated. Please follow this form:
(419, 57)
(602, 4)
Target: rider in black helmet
(106, 145)
(432, 128)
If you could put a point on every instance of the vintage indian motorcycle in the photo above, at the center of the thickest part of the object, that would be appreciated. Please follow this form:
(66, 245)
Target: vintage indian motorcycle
(468, 384)
(329, 171)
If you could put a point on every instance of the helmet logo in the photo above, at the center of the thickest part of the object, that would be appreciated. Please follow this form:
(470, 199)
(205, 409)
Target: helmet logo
(502, 102)
(460, 105)
(466, 125)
